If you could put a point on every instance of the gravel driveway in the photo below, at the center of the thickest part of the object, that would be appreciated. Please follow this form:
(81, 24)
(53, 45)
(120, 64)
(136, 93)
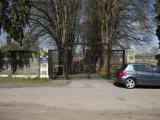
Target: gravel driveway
(80, 100)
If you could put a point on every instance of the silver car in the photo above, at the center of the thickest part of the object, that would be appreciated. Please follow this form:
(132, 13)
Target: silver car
(132, 75)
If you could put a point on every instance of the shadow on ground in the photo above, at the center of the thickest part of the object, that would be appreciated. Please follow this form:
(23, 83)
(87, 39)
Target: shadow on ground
(137, 87)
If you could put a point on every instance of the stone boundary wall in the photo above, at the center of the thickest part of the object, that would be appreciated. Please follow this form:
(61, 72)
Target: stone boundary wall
(20, 63)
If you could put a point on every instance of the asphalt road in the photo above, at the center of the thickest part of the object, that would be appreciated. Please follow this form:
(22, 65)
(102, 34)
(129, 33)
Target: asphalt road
(80, 100)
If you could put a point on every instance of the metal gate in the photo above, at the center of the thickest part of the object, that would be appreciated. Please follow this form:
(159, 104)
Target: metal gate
(81, 63)
(56, 68)
(78, 64)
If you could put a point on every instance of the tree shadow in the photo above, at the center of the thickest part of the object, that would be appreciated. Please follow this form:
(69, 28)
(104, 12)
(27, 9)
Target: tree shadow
(118, 85)
(138, 87)
(15, 60)
(148, 87)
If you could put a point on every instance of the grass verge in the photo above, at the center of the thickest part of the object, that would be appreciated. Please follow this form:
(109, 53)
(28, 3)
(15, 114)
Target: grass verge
(11, 79)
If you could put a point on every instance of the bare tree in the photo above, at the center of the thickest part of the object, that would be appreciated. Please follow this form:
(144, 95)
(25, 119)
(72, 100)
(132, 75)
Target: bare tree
(58, 19)
(119, 23)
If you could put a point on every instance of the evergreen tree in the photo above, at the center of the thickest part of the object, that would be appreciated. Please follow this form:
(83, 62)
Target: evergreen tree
(14, 15)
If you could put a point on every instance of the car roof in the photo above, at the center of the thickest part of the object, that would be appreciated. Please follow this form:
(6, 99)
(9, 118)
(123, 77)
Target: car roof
(140, 64)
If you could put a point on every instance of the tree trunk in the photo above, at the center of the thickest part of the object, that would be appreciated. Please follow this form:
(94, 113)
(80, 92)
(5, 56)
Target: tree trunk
(108, 73)
(61, 62)
(106, 63)
(70, 59)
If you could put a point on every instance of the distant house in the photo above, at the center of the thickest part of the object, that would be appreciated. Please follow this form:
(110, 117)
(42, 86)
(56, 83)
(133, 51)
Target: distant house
(130, 56)
(146, 58)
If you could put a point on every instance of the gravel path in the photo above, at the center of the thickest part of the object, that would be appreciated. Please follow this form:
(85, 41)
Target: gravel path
(80, 100)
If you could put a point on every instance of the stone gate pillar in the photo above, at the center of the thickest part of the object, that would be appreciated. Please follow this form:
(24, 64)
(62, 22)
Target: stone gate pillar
(44, 72)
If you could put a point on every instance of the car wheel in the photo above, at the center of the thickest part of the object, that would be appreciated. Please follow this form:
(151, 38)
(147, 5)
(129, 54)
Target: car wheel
(130, 83)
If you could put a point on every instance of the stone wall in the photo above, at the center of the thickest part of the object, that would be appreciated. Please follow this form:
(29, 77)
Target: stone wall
(19, 63)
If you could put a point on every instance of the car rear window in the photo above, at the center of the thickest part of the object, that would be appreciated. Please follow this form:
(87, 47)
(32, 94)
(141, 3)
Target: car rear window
(127, 68)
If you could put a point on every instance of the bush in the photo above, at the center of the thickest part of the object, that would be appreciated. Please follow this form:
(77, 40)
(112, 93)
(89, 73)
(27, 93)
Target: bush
(102, 75)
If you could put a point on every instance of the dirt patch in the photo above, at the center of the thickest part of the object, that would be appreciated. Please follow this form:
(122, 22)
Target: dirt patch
(79, 100)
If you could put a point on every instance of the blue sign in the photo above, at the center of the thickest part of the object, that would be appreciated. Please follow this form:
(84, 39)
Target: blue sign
(44, 59)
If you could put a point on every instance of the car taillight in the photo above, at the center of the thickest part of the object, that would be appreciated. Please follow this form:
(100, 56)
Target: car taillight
(121, 74)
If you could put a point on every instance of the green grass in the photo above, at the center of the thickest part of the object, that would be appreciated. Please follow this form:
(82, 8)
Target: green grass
(104, 75)
(11, 79)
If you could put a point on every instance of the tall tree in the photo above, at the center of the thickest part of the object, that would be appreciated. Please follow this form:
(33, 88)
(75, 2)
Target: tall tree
(14, 16)
(158, 28)
(158, 18)
(120, 22)
(57, 19)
